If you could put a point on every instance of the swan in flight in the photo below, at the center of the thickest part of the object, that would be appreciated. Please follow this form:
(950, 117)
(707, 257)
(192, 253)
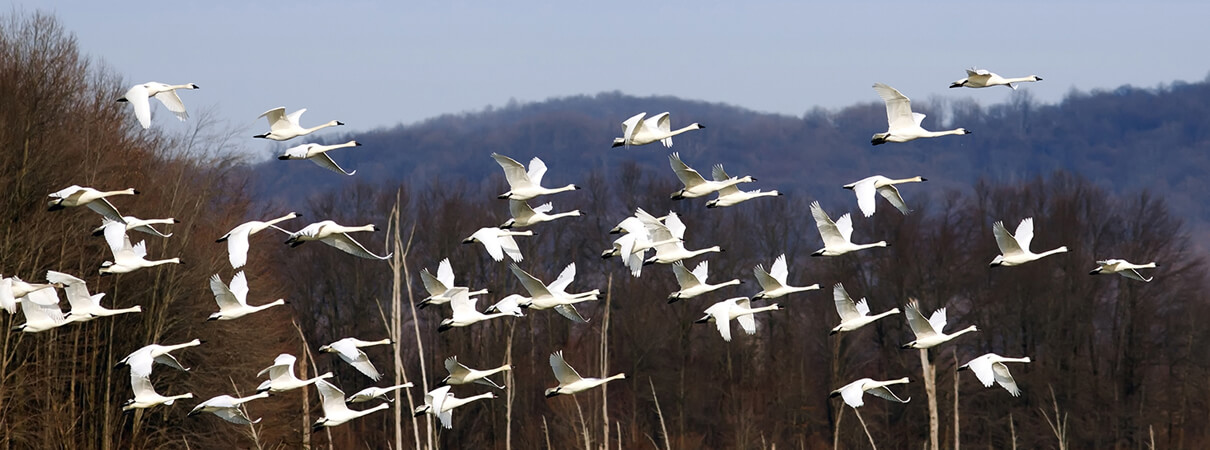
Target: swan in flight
(42, 312)
(668, 237)
(633, 245)
(373, 392)
(980, 78)
(902, 124)
(637, 131)
(233, 300)
(866, 187)
(350, 351)
(139, 97)
(553, 295)
(773, 283)
(694, 283)
(237, 238)
(524, 216)
(461, 374)
(318, 154)
(140, 361)
(126, 257)
(284, 127)
(281, 376)
(695, 184)
(336, 412)
(570, 382)
(837, 236)
(499, 242)
(852, 393)
(738, 308)
(84, 306)
(1014, 248)
(85, 196)
(525, 185)
(990, 367)
(145, 395)
(141, 225)
(1122, 267)
(510, 304)
(441, 402)
(928, 332)
(228, 408)
(731, 195)
(464, 312)
(853, 315)
(336, 235)
(441, 287)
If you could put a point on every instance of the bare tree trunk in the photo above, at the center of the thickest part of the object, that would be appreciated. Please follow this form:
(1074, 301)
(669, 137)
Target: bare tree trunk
(930, 389)
(957, 434)
(658, 412)
(510, 386)
(867, 429)
(836, 428)
(605, 365)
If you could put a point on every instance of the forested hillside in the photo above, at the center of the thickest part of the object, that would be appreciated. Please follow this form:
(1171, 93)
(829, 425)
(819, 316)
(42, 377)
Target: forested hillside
(1125, 140)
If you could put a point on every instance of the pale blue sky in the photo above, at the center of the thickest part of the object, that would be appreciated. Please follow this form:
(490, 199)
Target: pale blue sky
(373, 64)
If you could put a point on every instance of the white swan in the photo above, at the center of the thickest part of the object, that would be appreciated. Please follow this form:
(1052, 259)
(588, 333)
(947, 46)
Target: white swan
(141, 225)
(854, 392)
(571, 382)
(336, 235)
(140, 361)
(349, 349)
(281, 376)
(738, 308)
(318, 154)
(525, 216)
(126, 257)
(461, 374)
(336, 412)
(990, 367)
(902, 124)
(853, 315)
(837, 236)
(980, 78)
(866, 187)
(633, 245)
(773, 283)
(441, 402)
(228, 408)
(42, 312)
(695, 184)
(731, 195)
(553, 295)
(233, 300)
(85, 196)
(464, 312)
(1124, 268)
(284, 127)
(510, 304)
(636, 131)
(928, 332)
(693, 284)
(669, 239)
(373, 392)
(84, 306)
(498, 242)
(139, 97)
(145, 395)
(237, 238)
(525, 185)
(440, 287)
(1014, 248)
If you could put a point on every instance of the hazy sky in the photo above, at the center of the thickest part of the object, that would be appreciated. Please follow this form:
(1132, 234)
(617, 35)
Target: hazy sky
(373, 64)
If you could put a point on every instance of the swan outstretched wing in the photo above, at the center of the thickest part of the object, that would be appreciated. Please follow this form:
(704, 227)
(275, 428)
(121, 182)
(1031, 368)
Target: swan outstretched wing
(534, 286)
(920, 327)
(1005, 378)
(827, 229)
(173, 103)
(864, 190)
(514, 172)
(686, 174)
(780, 270)
(1025, 233)
(1008, 245)
(844, 304)
(563, 371)
(630, 126)
(886, 393)
(138, 98)
(721, 175)
(891, 193)
(537, 169)
(333, 398)
(325, 161)
(347, 244)
(898, 107)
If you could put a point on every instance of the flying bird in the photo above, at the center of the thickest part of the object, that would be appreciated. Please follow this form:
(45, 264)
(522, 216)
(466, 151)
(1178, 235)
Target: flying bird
(139, 97)
(903, 125)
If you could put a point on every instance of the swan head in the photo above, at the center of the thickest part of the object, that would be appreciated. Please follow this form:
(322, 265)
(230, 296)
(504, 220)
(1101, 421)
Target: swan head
(962, 131)
(1036, 78)
(617, 142)
(879, 138)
